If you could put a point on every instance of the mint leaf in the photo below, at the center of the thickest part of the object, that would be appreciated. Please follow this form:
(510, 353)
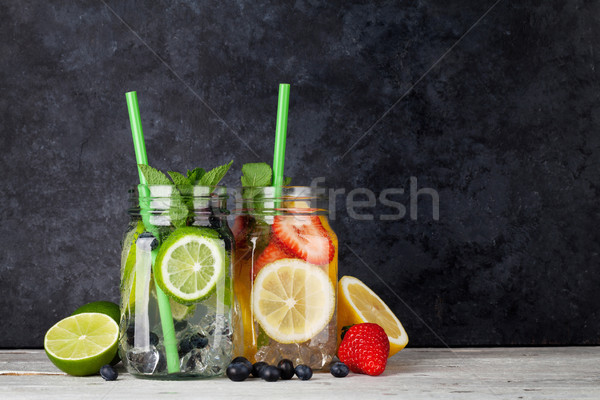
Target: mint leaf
(195, 175)
(153, 176)
(262, 339)
(178, 211)
(286, 181)
(214, 176)
(179, 180)
(256, 174)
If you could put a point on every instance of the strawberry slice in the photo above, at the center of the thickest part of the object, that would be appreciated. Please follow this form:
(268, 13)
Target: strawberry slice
(239, 225)
(304, 237)
(271, 253)
(239, 231)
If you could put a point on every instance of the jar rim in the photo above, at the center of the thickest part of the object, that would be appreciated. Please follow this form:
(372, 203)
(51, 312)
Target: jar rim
(197, 191)
(285, 200)
(286, 191)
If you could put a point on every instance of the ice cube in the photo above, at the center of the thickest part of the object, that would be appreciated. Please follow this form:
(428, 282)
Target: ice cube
(217, 357)
(143, 361)
(161, 365)
(193, 362)
(216, 324)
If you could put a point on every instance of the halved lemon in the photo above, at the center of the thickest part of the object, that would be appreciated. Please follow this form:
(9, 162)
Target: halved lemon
(358, 304)
(292, 300)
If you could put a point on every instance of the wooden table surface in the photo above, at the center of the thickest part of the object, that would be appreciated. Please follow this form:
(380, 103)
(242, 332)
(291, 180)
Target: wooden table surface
(467, 373)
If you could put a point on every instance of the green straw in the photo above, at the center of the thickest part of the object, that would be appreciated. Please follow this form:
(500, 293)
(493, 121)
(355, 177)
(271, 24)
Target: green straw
(166, 317)
(280, 134)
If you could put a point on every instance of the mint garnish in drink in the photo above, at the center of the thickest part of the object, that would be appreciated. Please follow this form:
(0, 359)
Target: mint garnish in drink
(214, 176)
(195, 175)
(259, 174)
(182, 205)
(179, 179)
(153, 176)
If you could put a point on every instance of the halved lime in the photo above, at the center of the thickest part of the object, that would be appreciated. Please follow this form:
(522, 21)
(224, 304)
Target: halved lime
(103, 307)
(190, 263)
(81, 344)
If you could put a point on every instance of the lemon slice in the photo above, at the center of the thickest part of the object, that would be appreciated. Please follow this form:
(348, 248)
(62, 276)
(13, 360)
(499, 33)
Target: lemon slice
(190, 263)
(292, 300)
(357, 304)
(82, 343)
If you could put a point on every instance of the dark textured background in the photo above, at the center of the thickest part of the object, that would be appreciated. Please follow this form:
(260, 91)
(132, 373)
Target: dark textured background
(505, 127)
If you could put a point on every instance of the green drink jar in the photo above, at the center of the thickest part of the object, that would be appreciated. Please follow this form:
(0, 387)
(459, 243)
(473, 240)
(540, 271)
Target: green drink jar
(176, 287)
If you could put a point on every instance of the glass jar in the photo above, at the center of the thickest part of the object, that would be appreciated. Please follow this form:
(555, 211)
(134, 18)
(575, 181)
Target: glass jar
(285, 277)
(176, 286)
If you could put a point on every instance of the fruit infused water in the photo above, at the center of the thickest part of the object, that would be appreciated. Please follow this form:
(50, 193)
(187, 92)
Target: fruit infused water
(177, 246)
(285, 277)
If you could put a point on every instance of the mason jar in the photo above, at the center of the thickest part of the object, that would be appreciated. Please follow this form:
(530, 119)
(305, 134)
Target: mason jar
(176, 283)
(285, 276)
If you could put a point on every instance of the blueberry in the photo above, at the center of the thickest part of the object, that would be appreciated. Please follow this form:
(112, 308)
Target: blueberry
(180, 325)
(191, 363)
(304, 372)
(238, 371)
(154, 243)
(215, 222)
(227, 241)
(198, 341)
(339, 370)
(286, 367)
(257, 368)
(270, 373)
(108, 373)
(185, 346)
(130, 334)
(161, 364)
(153, 339)
(244, 361)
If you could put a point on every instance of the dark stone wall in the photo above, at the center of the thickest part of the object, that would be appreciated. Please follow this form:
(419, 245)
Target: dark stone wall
(504, 126)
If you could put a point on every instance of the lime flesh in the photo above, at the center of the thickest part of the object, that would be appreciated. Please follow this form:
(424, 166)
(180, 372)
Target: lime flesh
(190, 263)
(81, 344)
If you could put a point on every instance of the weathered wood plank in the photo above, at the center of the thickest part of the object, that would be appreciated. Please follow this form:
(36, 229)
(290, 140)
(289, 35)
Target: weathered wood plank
(416, 374)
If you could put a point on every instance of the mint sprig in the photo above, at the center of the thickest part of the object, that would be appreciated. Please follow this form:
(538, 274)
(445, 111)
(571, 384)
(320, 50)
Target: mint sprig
(259, 174)
(182, 204)
(179, 179)
(256, 174)
(195, 175)
(214, 176)
(153, 176)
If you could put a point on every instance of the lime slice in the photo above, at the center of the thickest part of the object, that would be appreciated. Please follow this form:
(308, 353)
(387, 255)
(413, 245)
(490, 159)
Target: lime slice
(292, 300)
(81, 344)
(128, 268)
(181, 311)
(190, 263)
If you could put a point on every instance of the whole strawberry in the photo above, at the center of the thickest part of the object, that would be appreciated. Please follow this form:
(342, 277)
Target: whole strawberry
(364, 349)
